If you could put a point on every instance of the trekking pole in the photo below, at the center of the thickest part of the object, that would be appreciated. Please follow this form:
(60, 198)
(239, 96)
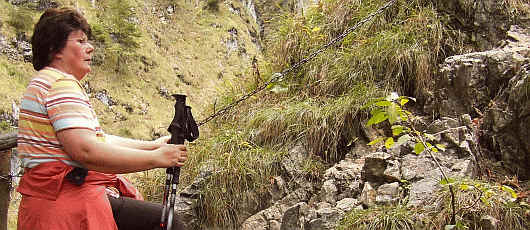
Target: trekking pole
(182, 127)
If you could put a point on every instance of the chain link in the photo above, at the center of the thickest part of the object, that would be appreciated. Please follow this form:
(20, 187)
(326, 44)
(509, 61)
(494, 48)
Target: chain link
(278, 76)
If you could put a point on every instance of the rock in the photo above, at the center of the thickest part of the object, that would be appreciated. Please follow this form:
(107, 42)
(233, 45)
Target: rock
(342, 180)
(105, 98)
(347, 204)
(279, 188)
(292, 163)
(492, 87)
(488, 222)
(185, 210)
(328, 192)
(291, 218)
(327, 219)
(375, 166)
(368, 195)
(422, 191)
(276, 212)
(415, 167)
(387, 194)
(392, 171)
(507, 123)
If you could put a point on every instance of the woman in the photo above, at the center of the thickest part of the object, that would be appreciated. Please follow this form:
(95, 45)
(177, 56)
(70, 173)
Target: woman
(70, 164)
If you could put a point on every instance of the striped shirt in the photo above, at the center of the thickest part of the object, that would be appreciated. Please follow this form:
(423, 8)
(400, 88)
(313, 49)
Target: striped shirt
(53, 101)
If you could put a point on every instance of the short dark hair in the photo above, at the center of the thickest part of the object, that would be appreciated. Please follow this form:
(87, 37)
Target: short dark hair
(51, 32)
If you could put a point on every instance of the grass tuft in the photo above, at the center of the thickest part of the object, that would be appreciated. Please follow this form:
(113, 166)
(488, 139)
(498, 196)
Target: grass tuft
(241, 178)
(380, 218)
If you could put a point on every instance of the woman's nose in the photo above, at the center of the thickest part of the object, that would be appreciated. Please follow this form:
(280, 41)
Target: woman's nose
(90, 48)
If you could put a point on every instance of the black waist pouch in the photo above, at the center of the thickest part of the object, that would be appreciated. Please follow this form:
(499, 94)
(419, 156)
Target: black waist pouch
(77, 176)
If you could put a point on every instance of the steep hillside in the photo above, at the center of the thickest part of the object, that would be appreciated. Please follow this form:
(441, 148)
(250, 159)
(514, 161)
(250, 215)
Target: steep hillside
(145, 51)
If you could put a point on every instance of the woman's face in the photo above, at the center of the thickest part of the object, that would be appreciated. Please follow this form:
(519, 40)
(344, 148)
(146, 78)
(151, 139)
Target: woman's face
(76, 55)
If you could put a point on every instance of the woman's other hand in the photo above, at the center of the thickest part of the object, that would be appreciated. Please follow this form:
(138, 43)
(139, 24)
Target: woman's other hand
(172, 155)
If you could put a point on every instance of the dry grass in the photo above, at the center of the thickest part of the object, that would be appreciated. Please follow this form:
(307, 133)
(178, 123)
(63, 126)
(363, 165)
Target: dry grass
(240, 179)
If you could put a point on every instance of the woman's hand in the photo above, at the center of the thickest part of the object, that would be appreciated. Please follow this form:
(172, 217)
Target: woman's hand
(172, 155)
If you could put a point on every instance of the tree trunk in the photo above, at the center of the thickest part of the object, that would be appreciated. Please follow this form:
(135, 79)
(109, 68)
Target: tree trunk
(7, 142)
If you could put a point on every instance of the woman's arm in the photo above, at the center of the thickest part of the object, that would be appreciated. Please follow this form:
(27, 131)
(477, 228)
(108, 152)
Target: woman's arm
(136, 144)
(82, 145)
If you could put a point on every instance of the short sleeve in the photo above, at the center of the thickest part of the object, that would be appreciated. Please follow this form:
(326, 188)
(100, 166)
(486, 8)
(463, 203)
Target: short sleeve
(69, 107)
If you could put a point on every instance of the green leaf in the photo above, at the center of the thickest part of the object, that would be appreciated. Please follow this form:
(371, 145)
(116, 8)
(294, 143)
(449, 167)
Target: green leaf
(434, 149)
(403, 139)
(384, 103)
(460, 225)
(372, 102)
(447, 181)
(440, 147)
(429, 136)
(429, 145)
(393, 112)
(376, 141)
(389, 142)
(403, 116)
(403, 101)
(510, 190)
(397, 129)
(377, 118)
(418, 148)
(464, 187)
(376, 111)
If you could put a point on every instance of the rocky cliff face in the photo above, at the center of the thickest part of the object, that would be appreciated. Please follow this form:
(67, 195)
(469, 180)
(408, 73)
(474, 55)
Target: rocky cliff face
(492, 86)
(482, 103)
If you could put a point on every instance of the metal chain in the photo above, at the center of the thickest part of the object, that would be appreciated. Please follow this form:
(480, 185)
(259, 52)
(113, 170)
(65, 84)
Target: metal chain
(278, 76)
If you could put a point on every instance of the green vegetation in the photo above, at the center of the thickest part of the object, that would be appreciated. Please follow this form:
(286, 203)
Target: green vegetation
(117, 31)
(477, 200)
(396, 217)
(21, 19)
(241, 176)
(319, 105)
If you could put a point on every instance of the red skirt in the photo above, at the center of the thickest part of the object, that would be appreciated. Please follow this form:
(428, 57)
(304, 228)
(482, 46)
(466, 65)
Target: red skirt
(49, 201)
(84, 207)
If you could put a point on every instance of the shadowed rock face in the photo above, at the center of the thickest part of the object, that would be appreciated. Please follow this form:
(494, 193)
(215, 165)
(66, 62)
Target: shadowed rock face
(476, 17)
(493, 87)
